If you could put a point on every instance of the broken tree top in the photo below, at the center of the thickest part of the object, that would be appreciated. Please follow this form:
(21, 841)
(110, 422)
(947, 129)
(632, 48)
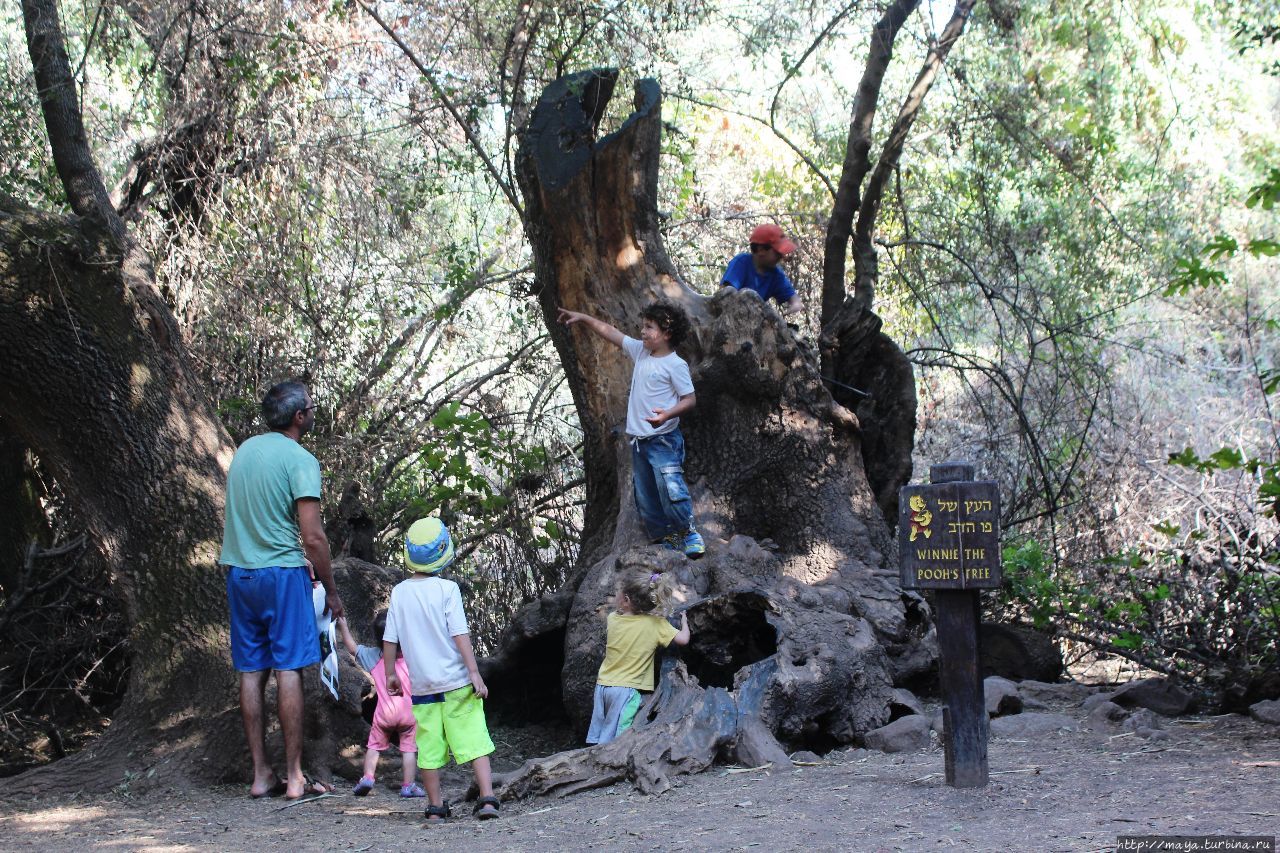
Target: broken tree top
(949, 535)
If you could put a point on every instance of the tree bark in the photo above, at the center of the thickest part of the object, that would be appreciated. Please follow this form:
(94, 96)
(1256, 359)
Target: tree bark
(86, 193)
(864, 253)
(802, 643)
(118, 420)
(857, 155)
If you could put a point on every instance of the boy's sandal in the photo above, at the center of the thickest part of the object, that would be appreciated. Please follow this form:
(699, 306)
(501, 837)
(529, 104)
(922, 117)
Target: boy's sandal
(487, 808)
(438, 814)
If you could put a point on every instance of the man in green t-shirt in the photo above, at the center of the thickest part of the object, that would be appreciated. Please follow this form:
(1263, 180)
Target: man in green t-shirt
(273, 528)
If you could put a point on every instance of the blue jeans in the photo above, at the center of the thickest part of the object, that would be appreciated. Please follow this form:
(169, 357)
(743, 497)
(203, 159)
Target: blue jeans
(661, 494)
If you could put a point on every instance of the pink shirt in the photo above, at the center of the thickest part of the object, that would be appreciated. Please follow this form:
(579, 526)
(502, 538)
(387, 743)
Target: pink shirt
(394, 712)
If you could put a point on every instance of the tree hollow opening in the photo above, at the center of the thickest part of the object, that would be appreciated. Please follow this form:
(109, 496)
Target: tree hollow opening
(528, 690)
(64, 655)
(729, 632)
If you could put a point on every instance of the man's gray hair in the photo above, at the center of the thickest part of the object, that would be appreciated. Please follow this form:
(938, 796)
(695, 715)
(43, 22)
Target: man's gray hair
(282, 402)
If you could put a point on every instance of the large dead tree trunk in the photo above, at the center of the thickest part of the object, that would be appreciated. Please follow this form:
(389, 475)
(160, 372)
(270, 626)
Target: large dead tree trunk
(802, 643)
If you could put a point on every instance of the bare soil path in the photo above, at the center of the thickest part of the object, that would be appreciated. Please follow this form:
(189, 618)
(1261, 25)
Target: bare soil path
(1071, 790)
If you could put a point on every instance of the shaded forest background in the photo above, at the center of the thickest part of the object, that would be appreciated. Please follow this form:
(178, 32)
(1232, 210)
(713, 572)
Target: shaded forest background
(1076, 254)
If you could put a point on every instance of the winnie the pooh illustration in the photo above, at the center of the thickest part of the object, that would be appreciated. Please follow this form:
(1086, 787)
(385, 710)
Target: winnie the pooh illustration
(920, 518)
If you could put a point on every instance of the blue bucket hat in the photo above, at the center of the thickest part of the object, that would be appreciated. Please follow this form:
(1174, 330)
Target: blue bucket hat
(427, 546)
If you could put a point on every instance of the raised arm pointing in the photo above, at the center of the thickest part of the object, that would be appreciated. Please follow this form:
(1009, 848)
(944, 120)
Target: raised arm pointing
(600, 327)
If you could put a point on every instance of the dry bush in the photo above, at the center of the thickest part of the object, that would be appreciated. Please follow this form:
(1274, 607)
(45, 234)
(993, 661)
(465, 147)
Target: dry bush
(63, 655)
(1171, 566)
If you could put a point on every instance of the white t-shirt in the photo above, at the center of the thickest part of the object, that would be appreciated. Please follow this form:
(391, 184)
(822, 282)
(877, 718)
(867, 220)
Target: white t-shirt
(656, 383)
(424, 617)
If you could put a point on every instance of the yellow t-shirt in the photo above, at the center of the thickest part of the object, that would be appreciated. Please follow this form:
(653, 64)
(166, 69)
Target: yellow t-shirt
(628, 656)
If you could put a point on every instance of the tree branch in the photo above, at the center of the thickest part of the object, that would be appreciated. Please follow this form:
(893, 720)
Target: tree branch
(864, 253)
(791, 72)
(444, 99)
(857, 160)
(56, 88)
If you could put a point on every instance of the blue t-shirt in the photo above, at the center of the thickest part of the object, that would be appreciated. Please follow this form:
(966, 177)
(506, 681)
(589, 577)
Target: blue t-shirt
(268, 474)
(774, 284)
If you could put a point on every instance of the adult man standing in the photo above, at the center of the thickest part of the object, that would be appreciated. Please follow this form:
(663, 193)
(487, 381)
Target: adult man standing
(273, 503)
(759, 270)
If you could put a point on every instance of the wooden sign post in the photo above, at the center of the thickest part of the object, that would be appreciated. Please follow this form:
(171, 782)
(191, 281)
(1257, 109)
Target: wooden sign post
(949, 541)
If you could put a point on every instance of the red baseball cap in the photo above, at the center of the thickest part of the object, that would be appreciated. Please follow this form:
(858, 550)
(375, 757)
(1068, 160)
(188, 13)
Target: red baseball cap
(771, 235)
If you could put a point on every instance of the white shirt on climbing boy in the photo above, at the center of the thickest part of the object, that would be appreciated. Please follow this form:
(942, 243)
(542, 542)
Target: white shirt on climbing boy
(656, 383)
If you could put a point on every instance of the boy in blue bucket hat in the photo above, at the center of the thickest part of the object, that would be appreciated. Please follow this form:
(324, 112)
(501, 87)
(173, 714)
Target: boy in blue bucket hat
(425, 619)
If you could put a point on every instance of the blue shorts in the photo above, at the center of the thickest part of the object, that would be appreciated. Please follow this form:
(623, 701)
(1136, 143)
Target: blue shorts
(273, 622)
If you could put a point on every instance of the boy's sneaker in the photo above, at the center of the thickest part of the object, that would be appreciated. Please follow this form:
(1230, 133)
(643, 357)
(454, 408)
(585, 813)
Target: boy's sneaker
(414, 790)
(694, 547)
(363, 787)
(673, 541)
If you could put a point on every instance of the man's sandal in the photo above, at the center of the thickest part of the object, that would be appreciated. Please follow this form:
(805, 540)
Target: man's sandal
(313, 789)
(487, 808)
(438, 814)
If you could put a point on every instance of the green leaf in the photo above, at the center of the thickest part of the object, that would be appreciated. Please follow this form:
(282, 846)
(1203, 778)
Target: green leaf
(1227, 458)
(1220, 247)
(1270, 380)
(446, 417)
(1267, 193)
(1190, 273)
(1260, 248)
(1167, 528)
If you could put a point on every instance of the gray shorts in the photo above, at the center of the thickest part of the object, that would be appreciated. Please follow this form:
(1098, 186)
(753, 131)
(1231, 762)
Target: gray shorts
(614, 711)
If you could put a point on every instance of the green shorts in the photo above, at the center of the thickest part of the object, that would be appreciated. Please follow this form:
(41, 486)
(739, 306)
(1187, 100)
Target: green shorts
(454, 722)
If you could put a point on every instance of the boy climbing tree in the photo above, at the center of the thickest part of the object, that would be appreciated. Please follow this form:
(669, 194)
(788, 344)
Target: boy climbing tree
(661, 391)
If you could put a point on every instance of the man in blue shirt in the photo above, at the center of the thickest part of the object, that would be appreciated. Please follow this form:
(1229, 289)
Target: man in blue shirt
(759, 271)
(273, 529)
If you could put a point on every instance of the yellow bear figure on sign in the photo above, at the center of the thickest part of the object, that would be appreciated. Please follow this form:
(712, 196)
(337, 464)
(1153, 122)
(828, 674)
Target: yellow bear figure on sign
(920, 518)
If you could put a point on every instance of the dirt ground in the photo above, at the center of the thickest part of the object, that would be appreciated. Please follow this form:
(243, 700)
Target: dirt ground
(1073, 790)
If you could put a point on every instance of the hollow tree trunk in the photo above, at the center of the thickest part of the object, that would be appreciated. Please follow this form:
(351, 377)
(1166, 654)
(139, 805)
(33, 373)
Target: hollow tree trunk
(801, 643)
(22, 522)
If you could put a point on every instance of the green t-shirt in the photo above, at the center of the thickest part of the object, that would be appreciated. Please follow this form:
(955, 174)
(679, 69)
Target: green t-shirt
(268, 474)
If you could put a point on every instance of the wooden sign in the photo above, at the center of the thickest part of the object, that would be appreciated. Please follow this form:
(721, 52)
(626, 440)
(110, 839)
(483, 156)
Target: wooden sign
(949, 535)
(949, 541)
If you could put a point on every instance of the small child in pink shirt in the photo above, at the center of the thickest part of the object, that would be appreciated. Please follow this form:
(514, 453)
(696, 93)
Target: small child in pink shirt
(392, 720)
